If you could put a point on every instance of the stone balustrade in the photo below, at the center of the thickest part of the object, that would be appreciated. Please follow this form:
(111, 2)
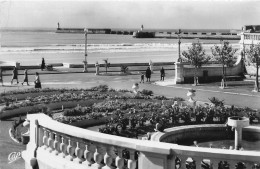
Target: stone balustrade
(249, 38)
(57, 145)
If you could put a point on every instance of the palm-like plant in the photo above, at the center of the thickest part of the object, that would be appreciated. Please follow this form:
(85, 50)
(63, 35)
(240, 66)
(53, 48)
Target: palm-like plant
(225, 55)
(253, 54)
(196, 56)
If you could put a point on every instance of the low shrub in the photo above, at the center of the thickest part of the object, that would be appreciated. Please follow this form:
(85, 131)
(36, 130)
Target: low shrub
(161, 98)
(78, 111)
(216, 101)
(101, 88)
(147, 92)
(178, 99)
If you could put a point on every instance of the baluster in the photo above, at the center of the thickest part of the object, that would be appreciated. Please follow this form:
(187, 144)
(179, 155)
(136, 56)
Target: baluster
(88, 153)
(98, 156)
(131, 163)
(197, 162)
(79, 153)
(108, 158)
(214, 164)
(62, 148)
(56, 145)
(249, 165)
(254, 166)
(50, 142)
(183, 162)
(119, 158)
(232, 164)
(44, 139)
(70, 151)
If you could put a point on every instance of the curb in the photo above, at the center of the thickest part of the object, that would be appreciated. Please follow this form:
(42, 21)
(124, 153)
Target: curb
(12, 137)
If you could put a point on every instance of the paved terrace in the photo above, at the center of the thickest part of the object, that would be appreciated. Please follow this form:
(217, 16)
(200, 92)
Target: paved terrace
(238, 94)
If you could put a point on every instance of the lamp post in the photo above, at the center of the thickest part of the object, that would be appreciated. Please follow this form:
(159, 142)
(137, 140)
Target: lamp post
(85, 61)
(244, 52)
(179, 37)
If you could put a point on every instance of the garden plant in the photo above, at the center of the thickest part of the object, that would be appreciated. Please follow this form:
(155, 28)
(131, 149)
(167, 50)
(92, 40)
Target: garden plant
(253, 54)
(225, 55)
(195, 55)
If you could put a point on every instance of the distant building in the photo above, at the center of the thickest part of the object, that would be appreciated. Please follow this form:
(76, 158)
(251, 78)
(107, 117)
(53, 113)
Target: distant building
(249, 35)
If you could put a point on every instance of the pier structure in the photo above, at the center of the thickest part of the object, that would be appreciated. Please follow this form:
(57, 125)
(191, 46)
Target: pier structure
(159, 33)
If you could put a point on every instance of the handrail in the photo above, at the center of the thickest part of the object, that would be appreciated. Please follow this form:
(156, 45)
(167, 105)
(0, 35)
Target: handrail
(99, 146)
(46, 122)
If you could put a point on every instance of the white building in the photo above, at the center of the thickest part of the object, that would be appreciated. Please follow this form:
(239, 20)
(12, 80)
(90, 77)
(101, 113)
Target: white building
(250, 35)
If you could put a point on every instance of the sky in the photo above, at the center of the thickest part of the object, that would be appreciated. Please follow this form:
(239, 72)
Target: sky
(166, 14)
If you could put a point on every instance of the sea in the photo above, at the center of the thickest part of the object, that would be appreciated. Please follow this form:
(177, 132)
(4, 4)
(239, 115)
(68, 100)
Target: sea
(28, 47)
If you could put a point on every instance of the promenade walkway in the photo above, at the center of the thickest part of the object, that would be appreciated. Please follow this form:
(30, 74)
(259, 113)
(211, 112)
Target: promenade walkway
(238, 94)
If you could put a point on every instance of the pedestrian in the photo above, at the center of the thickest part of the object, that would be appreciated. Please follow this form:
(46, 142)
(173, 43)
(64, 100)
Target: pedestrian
(37, 81)
(15, 75)
(142, 77)
(43, 64)
(1, 76)
(162, 74)
(148, 74)
(25, 77)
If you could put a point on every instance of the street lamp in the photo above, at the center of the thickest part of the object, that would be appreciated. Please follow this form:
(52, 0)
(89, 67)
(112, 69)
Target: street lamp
(85, 61)
(179, 37)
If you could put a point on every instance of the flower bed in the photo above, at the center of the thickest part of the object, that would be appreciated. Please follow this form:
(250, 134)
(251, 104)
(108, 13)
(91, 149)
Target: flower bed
(122, 111)
(44, 108)
(11, 96)
(84, 95)
(121, 116)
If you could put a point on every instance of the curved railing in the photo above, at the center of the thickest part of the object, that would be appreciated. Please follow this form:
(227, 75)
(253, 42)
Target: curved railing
(57, 145)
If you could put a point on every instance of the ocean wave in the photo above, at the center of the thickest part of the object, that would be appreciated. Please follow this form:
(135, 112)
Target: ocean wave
(103, 48)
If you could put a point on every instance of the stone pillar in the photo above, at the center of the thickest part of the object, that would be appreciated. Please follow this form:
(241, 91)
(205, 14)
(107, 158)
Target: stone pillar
(29, 155)
(148, 160)
(97, 68)
(238, 137)
(135, 88)
(178, 73)
(17, 65)
(85, 66)
(192, 102)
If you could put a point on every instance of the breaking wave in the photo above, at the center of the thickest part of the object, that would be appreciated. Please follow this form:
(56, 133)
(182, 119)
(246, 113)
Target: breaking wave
(99, 48)
(91, 48)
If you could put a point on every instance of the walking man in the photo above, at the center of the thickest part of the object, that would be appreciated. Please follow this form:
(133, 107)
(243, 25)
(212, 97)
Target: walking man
(142, 78)
(43, 64)
(15, 75)
(162, 74)
(25, 77)
(148, 74)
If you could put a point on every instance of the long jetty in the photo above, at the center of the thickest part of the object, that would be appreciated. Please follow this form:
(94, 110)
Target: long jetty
(185, 34)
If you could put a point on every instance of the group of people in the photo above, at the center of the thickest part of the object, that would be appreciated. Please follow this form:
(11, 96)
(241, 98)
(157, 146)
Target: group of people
(37, 81)
(148, 73)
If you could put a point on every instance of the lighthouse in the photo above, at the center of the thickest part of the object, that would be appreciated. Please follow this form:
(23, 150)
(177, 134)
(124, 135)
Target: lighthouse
(142, 28)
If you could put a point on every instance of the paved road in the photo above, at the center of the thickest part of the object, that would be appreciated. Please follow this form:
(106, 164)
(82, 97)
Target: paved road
(235, 95)
(8, 146)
